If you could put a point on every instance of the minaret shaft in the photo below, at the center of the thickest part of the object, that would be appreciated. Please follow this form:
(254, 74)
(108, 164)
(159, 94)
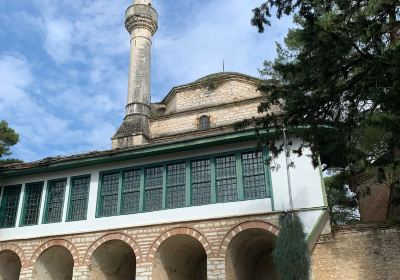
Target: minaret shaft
(141, 21)
(139, 74)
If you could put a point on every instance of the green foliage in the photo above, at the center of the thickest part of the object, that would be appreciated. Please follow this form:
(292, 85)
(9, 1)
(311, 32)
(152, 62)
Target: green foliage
(338, 74)
(342, 203)
(291, 258)
(8, 138)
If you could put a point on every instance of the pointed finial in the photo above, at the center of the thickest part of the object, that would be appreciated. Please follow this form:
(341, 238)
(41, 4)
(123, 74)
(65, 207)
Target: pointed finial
(145, 2)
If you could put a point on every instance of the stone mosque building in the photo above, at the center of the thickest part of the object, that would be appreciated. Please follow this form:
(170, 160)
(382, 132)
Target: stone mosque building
(181, 195)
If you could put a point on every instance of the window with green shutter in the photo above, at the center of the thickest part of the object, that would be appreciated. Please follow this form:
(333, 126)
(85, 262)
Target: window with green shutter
(201, 182)
(153, 188)
(55, 201)
(176, 180)
(9, 206)
(226, 178)
(130, 191)
(253, 175)
(108, 202)
(78, 200)
(32, 198)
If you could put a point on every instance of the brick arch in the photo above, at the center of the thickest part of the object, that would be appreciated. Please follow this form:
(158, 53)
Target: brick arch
(243, 226)
(178, 231)
(17, 250)
(56, 242)
(108, 237)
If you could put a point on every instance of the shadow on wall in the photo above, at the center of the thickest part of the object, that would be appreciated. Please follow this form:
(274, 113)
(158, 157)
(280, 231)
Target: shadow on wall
(55, 263)
(10, 265)
(180, 257)
(113, 260)
(248, 256)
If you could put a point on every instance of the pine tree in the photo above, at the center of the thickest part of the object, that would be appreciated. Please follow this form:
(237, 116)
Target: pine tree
(291, 258)
(339, 69)
(8, 138)
(338, 75)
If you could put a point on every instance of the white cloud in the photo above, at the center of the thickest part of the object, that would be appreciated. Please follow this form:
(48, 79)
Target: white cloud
(217, 30)
(15, 76)
(32, 117)
(66, 93)
(59, 39)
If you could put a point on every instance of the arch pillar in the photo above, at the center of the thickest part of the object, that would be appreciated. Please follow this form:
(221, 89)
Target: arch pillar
(216, 268)
(80, 272)
(26, 273)
(144, 271)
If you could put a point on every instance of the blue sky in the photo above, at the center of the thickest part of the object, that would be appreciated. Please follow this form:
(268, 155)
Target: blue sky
(64, 64)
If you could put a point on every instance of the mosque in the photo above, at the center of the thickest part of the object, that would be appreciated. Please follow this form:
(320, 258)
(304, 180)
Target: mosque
(181, 195)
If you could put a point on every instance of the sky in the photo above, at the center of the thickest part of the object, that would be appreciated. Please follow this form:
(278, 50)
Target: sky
(64, 63)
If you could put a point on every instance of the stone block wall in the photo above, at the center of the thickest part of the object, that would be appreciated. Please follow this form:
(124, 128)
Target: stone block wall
(214, 236)
(219, 116)
(367, 252)
(226, 92)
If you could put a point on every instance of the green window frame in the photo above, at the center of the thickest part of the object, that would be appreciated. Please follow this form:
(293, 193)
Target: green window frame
(254, 176)
(78, 198)
(153, 193)
(108, 194)
(225, 177)
(226, 181)
(176, 185)
(130, 191)
(9, 206)
(54, 201)
(31, 207)
(201, 182)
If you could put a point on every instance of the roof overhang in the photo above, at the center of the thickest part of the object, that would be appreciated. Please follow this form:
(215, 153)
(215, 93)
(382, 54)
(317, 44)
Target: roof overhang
(117, 155)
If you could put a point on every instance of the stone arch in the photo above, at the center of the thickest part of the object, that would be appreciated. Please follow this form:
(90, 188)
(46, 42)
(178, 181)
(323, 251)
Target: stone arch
(241, 227)
(56, 242)
(17, 250)
(181, 230)
(11, 261)
(109, 237)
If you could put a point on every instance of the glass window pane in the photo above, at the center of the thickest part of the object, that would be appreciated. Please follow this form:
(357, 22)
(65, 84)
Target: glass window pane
(55, 201)
(108, 204)
(9, 206)
(201, 182)
(176, 180)
(79, 198)
(253, 175)
(226, 178)
(33, 195)
(130, 191)
(153, 188)
(204, 122)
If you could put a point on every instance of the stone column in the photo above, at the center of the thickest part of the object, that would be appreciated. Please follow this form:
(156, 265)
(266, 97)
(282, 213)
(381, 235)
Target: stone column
(141, 23)
(26, 273)
(144, 271)
(80, 273)
(216, 269)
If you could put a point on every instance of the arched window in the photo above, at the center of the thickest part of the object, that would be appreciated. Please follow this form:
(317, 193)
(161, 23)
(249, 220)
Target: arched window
(204, 122)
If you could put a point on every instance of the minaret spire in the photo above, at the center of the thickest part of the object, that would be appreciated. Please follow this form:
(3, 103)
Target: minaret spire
(141, 21)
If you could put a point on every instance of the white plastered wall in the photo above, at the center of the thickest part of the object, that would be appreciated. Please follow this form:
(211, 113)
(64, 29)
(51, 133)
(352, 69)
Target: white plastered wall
(305, 181)
(307, 192)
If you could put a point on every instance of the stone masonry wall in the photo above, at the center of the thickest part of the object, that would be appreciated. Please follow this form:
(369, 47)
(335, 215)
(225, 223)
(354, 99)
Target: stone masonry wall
(227, 92)
(367, 252)
(213, 234)
(219, 116)
(353, 253)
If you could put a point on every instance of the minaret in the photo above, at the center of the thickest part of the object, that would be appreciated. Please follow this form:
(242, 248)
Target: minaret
(141, 22)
